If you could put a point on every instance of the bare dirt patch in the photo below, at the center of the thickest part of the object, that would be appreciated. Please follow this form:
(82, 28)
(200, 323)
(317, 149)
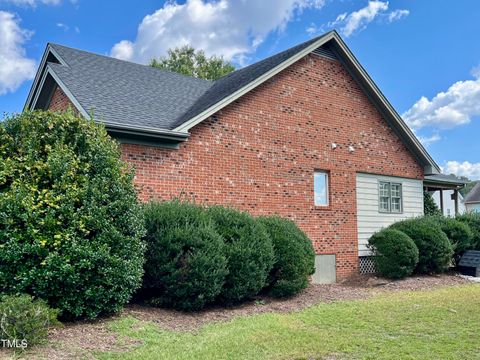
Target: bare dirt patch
(80, 340)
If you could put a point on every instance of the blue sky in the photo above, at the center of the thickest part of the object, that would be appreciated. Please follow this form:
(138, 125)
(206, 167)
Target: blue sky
(422, 54)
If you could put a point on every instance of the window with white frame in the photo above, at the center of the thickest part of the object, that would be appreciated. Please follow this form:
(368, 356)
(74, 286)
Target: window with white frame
(320, 188)
(389, 197)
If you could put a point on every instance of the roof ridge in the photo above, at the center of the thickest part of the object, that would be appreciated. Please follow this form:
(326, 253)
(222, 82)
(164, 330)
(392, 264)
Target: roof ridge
(473, 194)
(127, 62)
(312, 40)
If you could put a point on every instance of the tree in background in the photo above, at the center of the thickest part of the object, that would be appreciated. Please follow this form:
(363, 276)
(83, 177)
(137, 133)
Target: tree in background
(188, 61)
(469, 186)
(429, 206)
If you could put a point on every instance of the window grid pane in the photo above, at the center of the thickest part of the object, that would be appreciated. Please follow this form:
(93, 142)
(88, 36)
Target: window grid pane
(384, 196)
(384, 204)
(390, 197)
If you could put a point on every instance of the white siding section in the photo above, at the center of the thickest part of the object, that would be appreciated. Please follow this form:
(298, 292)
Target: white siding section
(369, 219)
(448, 203)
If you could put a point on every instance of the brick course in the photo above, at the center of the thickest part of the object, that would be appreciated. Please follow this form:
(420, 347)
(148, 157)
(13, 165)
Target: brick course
(60, 101)
(259, 154)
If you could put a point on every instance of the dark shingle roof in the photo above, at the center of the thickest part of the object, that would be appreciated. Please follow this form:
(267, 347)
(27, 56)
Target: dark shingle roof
(124, 92)
(474, 194)
(443, 178)
(127, 93)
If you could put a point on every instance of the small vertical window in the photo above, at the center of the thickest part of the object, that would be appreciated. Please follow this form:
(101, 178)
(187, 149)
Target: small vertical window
(384, 196)
(390, 197)
(320, 188)
(396, 196)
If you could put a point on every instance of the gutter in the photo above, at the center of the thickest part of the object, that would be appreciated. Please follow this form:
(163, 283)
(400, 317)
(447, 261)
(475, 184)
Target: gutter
(145, 132)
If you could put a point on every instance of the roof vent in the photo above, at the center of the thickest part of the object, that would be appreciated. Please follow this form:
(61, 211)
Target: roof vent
(325, 52)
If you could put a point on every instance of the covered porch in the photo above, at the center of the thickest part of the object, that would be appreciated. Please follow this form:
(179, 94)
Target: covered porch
(441, 183)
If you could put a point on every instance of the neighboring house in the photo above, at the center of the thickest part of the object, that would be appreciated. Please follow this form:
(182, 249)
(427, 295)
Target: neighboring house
(448, 197)
(472, 199)
(304, 134)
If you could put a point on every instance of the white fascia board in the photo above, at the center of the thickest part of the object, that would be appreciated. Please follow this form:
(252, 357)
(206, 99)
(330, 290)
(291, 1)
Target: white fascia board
(64, 88)
(258, 81)
(385, 102)
(38, 78)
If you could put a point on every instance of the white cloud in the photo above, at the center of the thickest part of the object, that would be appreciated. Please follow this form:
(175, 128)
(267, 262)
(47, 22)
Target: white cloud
(427, 140)
(453, 107)
(33, 3)
(63, 26)
(466, 168)
(397, 15)
(229, 28)
(15, 67)
(358, 20)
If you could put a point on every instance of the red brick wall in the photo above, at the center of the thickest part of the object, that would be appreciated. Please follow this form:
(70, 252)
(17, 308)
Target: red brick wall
(259, 155)
(60, 101)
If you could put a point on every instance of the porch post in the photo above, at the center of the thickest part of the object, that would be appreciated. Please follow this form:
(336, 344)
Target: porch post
(441, 201)
(455, 194)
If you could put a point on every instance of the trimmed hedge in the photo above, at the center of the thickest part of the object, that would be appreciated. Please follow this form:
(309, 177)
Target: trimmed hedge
(294, 257)
(25, 321)
(185, 263)
(458, 233)
(70, 224)
(434, 248)
(396, 255)
(472, 219)
(249, 253)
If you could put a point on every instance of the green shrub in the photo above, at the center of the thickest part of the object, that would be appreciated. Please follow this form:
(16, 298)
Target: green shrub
(430, 208)
(70, 225)
(396, 255)
(294, 257)
(185, 263)
(472, 219)
(434, 250)
(24, 319)
(458, 233)
(248, 250)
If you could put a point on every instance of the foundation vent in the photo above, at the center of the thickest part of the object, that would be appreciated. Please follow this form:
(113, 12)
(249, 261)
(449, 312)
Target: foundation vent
(367, 265)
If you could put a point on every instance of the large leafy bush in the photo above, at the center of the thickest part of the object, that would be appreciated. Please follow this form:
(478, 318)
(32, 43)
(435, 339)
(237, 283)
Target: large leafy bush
(248, 250)
(70, 225)
(396, 255)
(185, 263)
(24, 321)
(459, 234)
(294, 257)
(472, 219)
(434, 248)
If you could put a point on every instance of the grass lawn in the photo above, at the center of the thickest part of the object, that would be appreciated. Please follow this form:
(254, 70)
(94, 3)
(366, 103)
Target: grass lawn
(437, 324)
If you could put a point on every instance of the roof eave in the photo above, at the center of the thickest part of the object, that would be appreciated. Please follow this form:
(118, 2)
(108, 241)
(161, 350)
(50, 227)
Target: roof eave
(37, 81)
(187, 125)
(145, 132)
(430, 166)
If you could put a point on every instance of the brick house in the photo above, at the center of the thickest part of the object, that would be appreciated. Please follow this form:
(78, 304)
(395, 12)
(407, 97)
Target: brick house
(305, 134)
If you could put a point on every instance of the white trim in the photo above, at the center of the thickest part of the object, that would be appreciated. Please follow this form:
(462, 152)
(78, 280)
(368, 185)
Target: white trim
(384, 101)
(64, 89)
(250, 86)
(48, 50)
(146, 129)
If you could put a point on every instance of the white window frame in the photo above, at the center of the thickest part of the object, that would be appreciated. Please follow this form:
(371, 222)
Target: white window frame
(390, 198)
(327, 185)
